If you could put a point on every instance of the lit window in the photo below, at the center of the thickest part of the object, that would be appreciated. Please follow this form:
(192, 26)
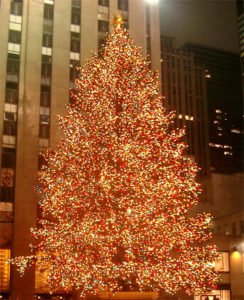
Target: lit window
(228, 153)
(235, 131)
(4, 270)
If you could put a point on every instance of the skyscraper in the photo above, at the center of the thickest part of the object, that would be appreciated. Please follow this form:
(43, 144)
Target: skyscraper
(225, 107)
(187, 90)
(240, 15)
(41, 41)
(184, 91)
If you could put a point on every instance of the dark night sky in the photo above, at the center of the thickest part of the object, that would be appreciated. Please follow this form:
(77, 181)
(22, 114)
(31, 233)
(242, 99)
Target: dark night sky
(208, 22)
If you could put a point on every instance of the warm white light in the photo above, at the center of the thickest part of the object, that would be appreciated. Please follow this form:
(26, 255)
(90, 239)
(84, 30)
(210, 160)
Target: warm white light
(152, 1)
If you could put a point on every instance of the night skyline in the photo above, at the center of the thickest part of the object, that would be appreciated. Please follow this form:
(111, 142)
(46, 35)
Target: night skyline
(209, 23)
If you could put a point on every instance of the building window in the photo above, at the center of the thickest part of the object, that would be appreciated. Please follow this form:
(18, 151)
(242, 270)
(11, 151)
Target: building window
(4, 270)
(14, 36)
(75, 42)
(103, 2)
(13, 63)
(46, 70)
(44, 127)
(8, 158)
(47, 40)
(74, 70)
(6, 194)
(46, 66)
(9, 127)
(75, 16)
(103, 26)
(16, 8)
(123, 5)
(48, 11)
(220, 294)
(45, 96)
(76, 3)
(223, 262)
(44, 131)
(9, 116)
(11, 93)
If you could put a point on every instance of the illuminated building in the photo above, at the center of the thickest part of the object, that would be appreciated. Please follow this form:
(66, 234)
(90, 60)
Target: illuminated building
(225, 112)
(40, 42)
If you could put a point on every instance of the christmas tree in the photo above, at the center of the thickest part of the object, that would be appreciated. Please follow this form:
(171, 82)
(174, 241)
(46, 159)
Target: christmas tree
(116, 193)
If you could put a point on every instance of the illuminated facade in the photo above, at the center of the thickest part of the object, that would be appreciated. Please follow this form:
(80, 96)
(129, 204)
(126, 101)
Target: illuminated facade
(41, 41)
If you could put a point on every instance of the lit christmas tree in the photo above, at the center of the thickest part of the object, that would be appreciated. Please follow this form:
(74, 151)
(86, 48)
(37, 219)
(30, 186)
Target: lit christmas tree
(115, 195)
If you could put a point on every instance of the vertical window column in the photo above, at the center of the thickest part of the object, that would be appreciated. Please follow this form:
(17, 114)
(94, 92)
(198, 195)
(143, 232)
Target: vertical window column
(46, 73)
(123, 9)
(8, 159)
(148, 29)
(75, 41)
(103, 21)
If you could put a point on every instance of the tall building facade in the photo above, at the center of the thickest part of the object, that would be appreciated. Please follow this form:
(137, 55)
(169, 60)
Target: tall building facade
(225, 107)
(41, 41)
(240, 15)
(187, 90)
(184, 91)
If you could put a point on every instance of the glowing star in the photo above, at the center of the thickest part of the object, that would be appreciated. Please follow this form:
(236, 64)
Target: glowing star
(115, 195)
(118, 21)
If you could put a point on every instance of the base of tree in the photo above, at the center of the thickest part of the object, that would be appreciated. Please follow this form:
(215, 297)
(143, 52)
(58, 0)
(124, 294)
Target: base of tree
(126, 296)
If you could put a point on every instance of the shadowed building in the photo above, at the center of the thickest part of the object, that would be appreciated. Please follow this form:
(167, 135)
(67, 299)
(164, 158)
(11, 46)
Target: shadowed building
(225, 107)
(184, 91)
(203, 86)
